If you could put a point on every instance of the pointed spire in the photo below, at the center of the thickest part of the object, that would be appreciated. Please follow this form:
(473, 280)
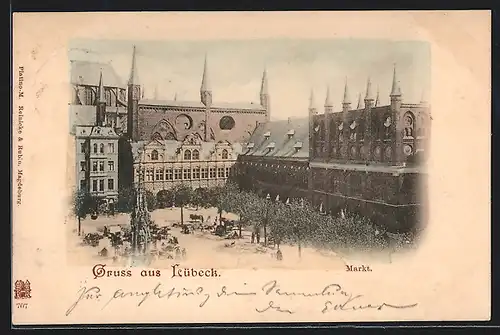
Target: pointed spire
(346, 99)
(328, 100)
(175, 96)
(134, 78)
(369, 95)
(359, 101)
(102, 95)
(155, 94)
(396, 90)
(263, 86)
(312, 103)
(377, 99)
(205, 83)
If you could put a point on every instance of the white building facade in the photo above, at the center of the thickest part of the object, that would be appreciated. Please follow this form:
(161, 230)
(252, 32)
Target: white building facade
(97, 163)
(163, 164)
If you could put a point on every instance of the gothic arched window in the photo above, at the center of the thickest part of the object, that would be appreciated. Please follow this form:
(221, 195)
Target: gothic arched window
(341, 131)
(196, 154)
(409, 124)
(333, 131)
(154, 155)
(387, 126)
(95, 148)
(353, 131)
(187, 155)
(101, 148)
(224, 154)
(322, 131)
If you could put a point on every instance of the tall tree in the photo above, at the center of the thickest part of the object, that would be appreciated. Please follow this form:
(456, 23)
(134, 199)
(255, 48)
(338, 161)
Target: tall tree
(279, 222)
(183, 195)
(304, 221)
(200, 198)
(247, 206)
(220, 197)
(81, 206)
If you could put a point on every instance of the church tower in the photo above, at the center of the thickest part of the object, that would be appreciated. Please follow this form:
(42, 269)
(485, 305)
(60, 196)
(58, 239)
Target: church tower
(312, 114)
(264, 96)
(134, 95)
(100, 118)
(397, 124)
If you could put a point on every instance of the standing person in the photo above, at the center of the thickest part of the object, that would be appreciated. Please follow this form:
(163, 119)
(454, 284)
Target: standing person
(279, 255)
(253, 238)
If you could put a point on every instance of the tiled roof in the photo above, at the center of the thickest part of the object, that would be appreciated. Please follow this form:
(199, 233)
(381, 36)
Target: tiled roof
(283, 138)
(95, 131)
(88, 73)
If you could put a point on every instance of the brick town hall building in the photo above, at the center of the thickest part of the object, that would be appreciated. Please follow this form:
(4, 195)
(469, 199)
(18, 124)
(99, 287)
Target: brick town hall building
(165, 142)
(369, 160)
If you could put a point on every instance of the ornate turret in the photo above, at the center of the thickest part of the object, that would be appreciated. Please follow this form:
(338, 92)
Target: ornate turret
(369, 95)
(346, 102)
(328, 102)
(206, 98)
(358, 106)
(205, 89)
(134, 95)
(395, 91)
(140, 223)
(312, 104)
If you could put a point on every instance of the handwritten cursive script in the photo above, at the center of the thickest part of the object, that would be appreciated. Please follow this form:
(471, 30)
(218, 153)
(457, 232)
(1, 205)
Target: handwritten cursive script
(337, 298)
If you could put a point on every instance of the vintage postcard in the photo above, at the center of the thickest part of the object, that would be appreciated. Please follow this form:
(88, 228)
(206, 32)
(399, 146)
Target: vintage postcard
(251, 167)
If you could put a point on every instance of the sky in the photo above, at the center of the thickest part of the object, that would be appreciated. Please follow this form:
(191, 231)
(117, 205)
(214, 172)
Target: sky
(294, 68)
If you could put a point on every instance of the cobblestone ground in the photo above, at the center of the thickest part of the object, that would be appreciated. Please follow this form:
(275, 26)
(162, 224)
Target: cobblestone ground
(203, 248)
